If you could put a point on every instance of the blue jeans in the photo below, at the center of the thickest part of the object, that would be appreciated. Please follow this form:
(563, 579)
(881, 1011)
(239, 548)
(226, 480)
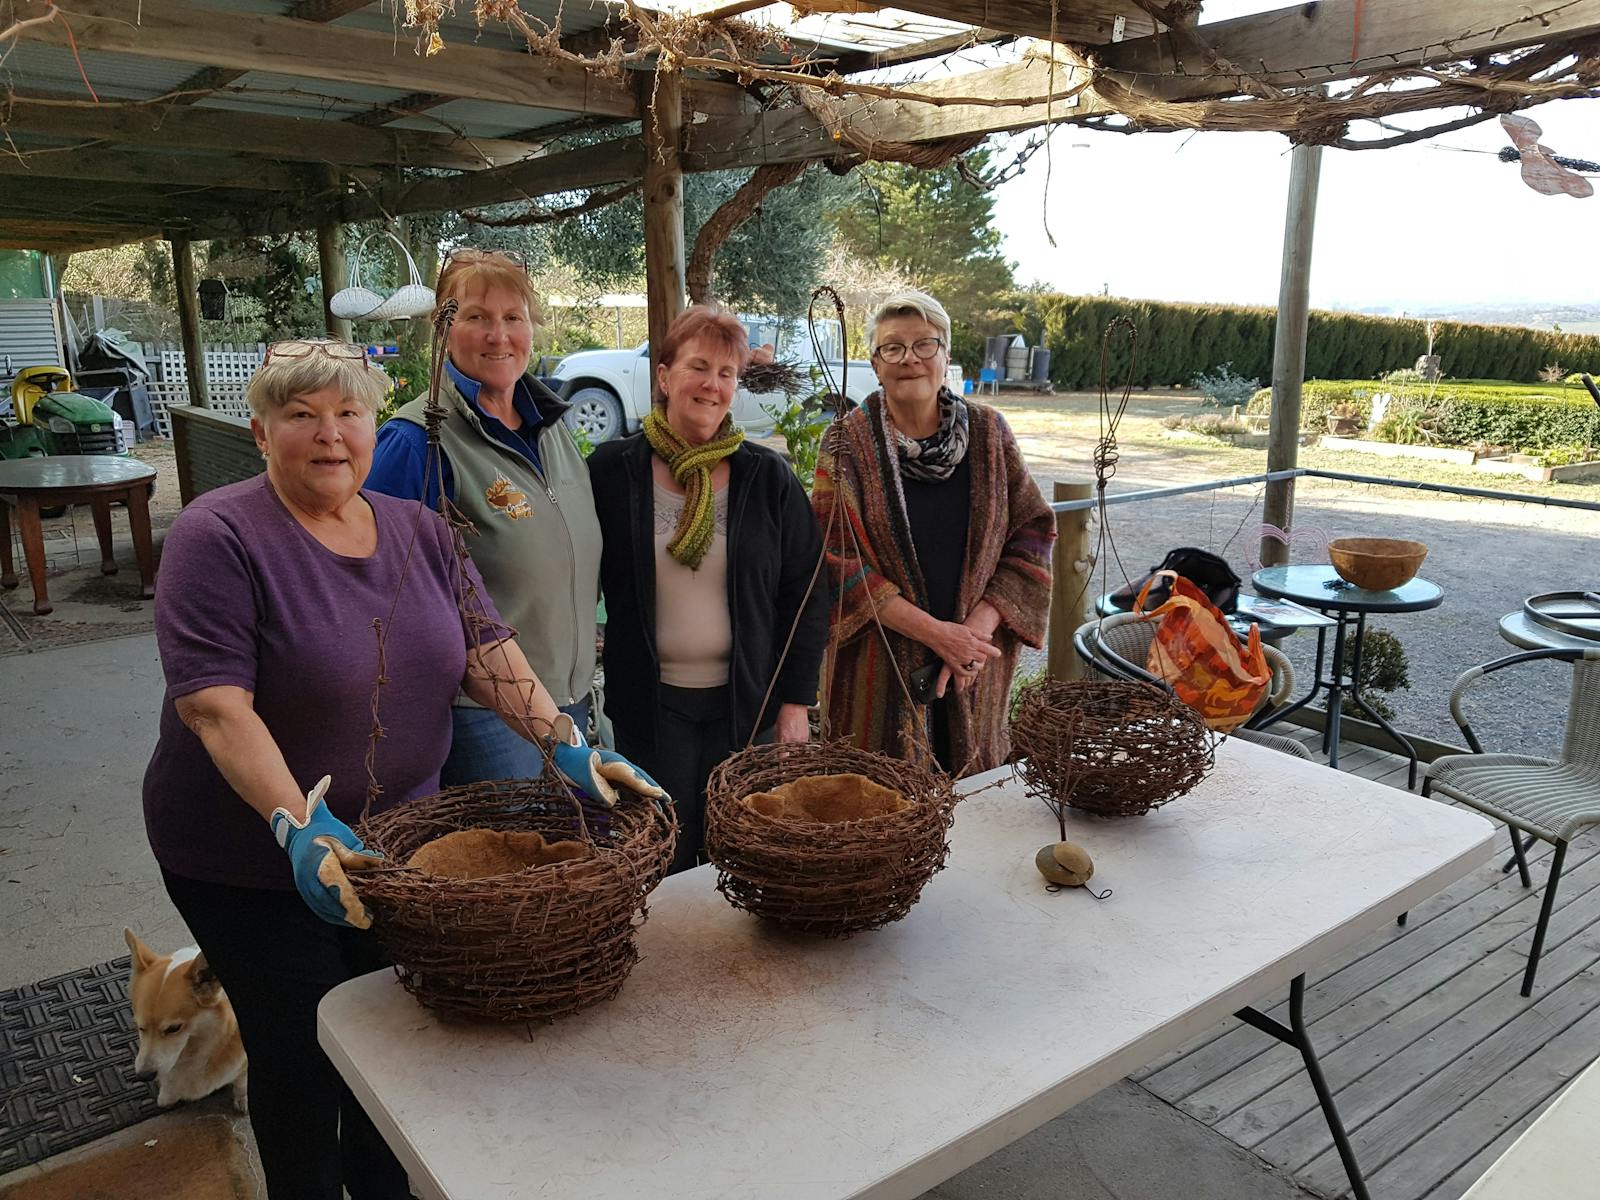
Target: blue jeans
(482, 746)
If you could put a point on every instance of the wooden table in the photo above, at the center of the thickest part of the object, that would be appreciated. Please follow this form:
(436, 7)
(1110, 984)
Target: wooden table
(99, 480)
(742, 1062)
(1557, 1156)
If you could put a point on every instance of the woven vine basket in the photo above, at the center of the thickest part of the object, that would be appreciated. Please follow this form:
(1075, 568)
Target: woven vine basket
(860, 866)
(534, 944)
(1113, 748)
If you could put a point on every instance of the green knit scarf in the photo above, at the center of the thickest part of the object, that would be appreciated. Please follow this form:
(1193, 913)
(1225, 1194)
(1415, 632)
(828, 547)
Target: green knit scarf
(691, 468)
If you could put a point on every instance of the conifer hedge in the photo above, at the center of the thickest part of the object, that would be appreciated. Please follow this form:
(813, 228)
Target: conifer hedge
(1178, 341)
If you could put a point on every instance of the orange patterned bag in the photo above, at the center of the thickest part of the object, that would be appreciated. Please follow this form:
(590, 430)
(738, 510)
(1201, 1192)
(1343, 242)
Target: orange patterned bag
(1197, 655)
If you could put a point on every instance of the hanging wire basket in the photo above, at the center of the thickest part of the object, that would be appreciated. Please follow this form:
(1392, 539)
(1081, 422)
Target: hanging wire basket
(1114, 748)
(825, 838)
(535, 944)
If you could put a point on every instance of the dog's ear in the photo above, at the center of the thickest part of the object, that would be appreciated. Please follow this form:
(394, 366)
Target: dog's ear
(203, 980)
(143, 956)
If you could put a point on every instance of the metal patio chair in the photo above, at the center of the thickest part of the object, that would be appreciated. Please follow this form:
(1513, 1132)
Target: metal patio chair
(1118, 645)
(1550, 799)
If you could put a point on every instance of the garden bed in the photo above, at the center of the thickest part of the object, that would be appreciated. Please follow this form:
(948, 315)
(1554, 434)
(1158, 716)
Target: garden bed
(1527, 466)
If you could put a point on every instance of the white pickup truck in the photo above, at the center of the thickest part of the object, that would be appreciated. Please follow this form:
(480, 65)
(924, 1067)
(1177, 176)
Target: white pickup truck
(609, 390)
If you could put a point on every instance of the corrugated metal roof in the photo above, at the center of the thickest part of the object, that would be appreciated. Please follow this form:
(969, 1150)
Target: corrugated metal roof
(35, 66)
(483, 118)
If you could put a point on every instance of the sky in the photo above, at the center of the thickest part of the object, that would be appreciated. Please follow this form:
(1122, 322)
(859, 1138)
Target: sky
(1179, 216)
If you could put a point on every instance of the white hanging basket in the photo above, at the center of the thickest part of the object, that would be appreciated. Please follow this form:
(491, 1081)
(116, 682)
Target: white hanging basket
(360, 303)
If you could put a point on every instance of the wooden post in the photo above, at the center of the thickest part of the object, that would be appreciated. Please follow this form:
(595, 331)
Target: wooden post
(189, 320)
(335, 277)
(1289, 344)
(1072, 566)
(661, 100)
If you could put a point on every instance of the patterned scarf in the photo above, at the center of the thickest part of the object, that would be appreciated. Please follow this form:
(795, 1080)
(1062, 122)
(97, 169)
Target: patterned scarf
(691, 468)
(934, 458)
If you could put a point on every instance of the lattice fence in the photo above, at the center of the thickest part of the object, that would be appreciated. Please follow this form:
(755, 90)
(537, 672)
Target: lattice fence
(229, 367)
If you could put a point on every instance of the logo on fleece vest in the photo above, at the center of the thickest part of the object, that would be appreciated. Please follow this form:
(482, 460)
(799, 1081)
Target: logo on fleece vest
(507, 499)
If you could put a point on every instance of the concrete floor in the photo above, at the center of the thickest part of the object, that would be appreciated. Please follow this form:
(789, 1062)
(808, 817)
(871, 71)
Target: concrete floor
(75, 868)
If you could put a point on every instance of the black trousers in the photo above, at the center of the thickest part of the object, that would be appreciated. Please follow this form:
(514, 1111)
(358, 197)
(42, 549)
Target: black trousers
(276, 959)
(692, 735)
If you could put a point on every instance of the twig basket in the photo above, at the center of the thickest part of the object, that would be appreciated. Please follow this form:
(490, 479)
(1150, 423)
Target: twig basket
(1113, 748)
(836, 878)
(533, 945)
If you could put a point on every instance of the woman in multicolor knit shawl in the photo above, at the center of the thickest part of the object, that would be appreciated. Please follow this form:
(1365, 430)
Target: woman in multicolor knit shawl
(709, 553)
(938, 546)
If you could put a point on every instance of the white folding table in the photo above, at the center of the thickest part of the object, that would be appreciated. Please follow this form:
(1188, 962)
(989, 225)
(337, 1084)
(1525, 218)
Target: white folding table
(1557, 1157)
(740, 1061)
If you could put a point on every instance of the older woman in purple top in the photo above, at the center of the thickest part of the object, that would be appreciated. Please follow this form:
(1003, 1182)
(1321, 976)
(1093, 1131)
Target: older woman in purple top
(264, 618)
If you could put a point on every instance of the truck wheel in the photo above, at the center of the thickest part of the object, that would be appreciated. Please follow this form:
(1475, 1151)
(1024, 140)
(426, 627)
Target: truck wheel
(597, 412)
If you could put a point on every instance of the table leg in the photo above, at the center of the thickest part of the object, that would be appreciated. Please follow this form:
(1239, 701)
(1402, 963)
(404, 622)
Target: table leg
(1317, 685)
(33, 551)
(102, 531)
(8, 568)
(1295, 1034)
(1330, 728)
(139, 523)
(1355, 694)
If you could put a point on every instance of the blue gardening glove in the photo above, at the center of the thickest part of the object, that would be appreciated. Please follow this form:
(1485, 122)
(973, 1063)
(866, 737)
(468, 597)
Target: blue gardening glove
(596, 773)
(321, 848)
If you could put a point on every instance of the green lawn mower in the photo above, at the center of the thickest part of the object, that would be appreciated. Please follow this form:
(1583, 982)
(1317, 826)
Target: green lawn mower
(45, 416)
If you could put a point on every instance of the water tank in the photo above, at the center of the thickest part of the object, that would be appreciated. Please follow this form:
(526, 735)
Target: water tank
(994, 352)
(1017, 359)
(1039, 365)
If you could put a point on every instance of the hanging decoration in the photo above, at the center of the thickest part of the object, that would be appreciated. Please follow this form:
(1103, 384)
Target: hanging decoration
(1541, 170)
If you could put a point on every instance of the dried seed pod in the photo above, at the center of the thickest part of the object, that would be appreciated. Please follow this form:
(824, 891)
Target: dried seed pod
(1065, 863)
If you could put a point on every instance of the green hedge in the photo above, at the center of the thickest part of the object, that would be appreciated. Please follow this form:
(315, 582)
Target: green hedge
(1463, 413)
(1177, 341)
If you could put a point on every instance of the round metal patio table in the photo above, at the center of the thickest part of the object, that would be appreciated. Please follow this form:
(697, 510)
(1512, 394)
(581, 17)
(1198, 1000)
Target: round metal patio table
(99, 480)
(1319, 586)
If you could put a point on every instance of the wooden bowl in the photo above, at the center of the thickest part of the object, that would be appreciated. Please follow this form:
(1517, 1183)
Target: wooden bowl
(1377, 564)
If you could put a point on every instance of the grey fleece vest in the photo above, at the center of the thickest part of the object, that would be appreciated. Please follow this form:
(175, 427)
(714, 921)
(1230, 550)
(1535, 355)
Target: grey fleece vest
(535, 539)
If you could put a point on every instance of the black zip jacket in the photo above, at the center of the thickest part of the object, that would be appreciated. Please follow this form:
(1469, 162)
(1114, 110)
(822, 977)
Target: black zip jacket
(773, 548)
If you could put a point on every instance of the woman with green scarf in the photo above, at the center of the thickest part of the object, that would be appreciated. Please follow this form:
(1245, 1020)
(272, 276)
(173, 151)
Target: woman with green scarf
(710, 547)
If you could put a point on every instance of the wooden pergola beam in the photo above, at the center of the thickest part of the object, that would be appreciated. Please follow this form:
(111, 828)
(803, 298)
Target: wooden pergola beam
(132, 166)
(1313, 43)
(876, 60)
(177, 32)
(69, 237)
(1087, 23)
(307, 140)
(209, 79)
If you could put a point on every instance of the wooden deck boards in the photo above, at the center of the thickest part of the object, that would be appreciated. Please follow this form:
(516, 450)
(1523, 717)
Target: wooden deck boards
(1436, 1061)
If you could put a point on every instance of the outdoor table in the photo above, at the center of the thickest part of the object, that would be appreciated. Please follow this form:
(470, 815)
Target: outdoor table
(99, 480)
(1319, 586)
(1557, 1156)
(739, 1061)
(1526, 634)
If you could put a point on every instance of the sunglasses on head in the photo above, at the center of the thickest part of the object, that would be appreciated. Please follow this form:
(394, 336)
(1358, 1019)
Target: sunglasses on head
(306, 347)
(470, 254)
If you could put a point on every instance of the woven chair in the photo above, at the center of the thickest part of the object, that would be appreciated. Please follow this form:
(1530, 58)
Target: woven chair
(1119, 644)
(1553, 800)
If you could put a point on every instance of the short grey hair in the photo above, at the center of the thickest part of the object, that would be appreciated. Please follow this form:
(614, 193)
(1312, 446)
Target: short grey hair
(281, 378)
(909, 303)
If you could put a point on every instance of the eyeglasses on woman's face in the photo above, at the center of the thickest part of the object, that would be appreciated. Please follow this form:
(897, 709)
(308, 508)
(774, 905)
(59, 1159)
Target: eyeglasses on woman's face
(306, 347)
(895, 352)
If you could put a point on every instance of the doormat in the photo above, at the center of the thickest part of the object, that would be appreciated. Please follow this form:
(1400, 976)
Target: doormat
(66, 1064)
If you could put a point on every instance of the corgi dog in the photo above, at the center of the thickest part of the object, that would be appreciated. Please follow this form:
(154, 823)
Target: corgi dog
(188, 1037)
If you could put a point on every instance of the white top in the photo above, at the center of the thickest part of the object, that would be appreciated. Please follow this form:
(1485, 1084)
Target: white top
(694, 636)
(742, 1062)
(1557, 1157)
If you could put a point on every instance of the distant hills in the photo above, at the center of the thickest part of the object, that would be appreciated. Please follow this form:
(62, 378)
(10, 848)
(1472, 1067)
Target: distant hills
(1568, 318)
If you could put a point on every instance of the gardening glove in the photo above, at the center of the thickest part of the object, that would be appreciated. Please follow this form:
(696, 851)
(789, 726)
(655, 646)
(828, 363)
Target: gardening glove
(321, 848)
(595, 772)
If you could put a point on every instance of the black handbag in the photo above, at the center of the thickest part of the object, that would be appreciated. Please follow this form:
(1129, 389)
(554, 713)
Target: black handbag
(1208, 572)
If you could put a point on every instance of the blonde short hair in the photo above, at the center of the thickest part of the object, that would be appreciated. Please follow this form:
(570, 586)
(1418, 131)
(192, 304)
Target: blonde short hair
(909, 303)
(470, 269)
(285, 375)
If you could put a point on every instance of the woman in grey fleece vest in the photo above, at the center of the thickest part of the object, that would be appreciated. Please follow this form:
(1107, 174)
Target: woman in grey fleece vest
(511, 467)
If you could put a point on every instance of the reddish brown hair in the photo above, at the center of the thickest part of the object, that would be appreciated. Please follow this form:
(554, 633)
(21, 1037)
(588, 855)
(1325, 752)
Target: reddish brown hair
(703, 322)
(470, 269)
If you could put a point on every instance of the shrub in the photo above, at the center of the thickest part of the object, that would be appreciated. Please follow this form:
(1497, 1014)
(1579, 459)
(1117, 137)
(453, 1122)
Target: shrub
(1384, 668)
(1214, 425)
(801, 425)
(1224, 387)
(1461, 412)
